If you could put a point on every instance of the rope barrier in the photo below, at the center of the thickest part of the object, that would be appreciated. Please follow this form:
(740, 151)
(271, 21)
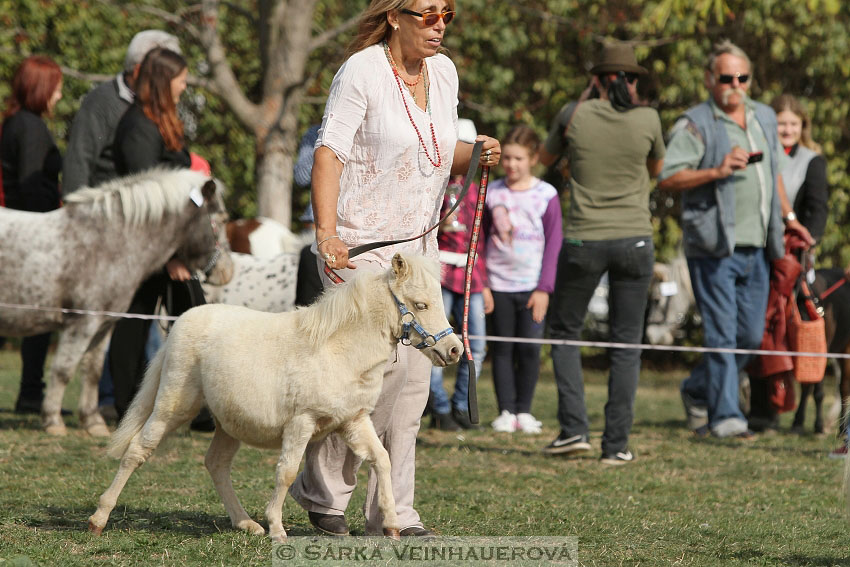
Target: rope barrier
(489, 338)
(115, 314)
(640, 346)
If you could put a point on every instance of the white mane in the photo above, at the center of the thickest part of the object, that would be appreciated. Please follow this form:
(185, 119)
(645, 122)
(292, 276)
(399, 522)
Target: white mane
(337, 306)
(341, 304)
(143, 197)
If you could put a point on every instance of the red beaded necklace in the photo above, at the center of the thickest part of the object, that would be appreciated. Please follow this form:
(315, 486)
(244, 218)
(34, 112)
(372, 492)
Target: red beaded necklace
(418, 77)
(398, 81)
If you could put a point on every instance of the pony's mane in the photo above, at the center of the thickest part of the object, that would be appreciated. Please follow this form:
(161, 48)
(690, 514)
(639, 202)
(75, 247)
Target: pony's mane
(341, 304)
(142, 197)
(338, 306)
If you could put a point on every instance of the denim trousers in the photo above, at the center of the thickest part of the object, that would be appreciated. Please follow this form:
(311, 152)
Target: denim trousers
(581, 264)
(453, 304)
(731, 295)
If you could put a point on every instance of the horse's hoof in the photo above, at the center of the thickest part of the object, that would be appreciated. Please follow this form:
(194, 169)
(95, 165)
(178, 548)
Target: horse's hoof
(251, 527)
(392, 533)
(99, 430)
(57, 430)
(96, 530)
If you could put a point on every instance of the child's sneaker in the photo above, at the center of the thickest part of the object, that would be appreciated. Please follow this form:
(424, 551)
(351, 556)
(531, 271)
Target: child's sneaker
(528, 424)
(505, 423)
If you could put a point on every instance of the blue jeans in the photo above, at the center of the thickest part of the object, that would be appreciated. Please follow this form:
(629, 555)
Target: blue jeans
(453, 304)
(731, 295)
(628, 262)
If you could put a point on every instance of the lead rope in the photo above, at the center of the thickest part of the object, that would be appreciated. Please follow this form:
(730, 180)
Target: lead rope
(472, 399)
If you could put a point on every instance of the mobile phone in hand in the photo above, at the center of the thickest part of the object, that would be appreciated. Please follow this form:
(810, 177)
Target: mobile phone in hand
(755, 157)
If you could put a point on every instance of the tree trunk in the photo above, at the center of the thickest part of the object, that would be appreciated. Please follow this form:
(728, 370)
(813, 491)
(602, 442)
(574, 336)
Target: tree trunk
(274, 177)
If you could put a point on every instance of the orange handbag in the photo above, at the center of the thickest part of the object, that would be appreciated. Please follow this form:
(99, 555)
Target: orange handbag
(807, 336)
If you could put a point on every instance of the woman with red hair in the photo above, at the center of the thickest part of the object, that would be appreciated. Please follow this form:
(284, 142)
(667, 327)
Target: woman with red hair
(31, 164)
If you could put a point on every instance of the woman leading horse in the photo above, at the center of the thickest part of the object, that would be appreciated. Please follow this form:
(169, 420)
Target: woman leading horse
(386, 149)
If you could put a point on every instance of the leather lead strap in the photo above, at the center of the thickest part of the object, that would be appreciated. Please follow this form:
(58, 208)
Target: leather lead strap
(472, 400)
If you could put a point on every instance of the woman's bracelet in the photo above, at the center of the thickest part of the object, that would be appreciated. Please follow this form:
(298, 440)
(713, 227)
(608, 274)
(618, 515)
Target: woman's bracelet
(326, 239)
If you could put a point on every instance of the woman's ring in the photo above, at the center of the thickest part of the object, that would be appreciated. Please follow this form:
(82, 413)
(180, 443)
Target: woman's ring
(488, 153)
(330, 258)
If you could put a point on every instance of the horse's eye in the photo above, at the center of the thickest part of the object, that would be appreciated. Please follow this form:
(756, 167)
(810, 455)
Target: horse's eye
(421, 306)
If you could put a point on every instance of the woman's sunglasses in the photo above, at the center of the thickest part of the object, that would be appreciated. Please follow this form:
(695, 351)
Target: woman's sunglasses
(431, 18)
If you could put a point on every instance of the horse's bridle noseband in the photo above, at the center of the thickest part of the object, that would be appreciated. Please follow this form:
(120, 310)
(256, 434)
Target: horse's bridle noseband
(428, 340)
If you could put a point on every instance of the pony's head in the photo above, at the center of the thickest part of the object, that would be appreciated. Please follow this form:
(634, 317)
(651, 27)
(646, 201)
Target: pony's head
(206, 249)
(149, 197)
(415, 284)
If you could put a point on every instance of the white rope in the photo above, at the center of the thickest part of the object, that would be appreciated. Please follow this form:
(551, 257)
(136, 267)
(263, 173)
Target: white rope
(602, 344)
(489, 338)
(115, 314)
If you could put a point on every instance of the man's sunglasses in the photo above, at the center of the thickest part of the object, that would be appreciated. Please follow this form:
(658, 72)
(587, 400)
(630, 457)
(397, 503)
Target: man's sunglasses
(431, 18)
(727, 79)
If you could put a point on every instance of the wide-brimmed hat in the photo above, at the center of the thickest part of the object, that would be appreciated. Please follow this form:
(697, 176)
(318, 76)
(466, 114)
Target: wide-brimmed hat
(617, 57)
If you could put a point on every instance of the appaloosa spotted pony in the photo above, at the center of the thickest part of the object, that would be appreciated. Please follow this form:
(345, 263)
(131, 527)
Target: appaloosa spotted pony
(92, 254)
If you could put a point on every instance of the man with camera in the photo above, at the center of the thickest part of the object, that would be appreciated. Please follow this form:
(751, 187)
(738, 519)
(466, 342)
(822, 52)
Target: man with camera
(723, 155)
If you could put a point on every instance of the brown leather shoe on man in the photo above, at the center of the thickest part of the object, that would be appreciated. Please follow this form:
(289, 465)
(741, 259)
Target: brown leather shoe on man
(329, 524)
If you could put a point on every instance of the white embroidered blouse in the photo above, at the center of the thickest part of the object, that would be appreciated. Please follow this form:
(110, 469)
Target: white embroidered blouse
(388, 188)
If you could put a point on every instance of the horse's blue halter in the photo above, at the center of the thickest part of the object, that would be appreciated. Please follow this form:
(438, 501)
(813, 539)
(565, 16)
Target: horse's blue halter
(428, 340)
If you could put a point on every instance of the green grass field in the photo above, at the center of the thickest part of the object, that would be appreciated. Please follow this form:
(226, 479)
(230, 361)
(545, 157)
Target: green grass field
(775, 501)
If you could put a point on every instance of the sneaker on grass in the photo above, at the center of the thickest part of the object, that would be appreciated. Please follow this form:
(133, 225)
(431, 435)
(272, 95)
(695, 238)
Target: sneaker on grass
(505, 423)
(528, 424)
(564, 444)
(839, 453)
(621, 458)
(696, 413)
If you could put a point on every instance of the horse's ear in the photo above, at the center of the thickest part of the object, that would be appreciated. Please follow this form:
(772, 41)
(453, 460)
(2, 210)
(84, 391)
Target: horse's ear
(401, 268)
(208, 190)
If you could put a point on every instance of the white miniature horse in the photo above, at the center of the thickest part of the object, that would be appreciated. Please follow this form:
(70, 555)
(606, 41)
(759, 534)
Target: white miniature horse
(280, 380)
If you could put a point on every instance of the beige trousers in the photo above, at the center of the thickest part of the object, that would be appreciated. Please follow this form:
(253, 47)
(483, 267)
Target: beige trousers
(330, 473)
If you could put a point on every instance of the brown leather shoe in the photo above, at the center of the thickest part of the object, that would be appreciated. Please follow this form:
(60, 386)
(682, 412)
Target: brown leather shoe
(329, 524)
(418, 531)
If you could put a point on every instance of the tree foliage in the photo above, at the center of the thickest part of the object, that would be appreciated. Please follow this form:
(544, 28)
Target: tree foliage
(518, 62)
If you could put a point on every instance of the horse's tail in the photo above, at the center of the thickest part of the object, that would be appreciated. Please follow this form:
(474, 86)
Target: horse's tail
(140, 409)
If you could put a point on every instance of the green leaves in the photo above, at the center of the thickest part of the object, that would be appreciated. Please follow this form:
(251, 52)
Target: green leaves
(517, 62)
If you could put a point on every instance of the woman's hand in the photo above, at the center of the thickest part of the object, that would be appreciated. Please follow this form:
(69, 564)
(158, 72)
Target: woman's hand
(491, 151)
(178, 271)
(334, 252)
(487, 295)
(538, 303)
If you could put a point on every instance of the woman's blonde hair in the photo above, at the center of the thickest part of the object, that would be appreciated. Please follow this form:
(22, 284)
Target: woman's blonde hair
(374, 27)
(789, 102)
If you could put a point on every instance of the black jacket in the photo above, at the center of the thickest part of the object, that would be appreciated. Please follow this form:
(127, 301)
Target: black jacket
(31, 163)
(139, 145)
